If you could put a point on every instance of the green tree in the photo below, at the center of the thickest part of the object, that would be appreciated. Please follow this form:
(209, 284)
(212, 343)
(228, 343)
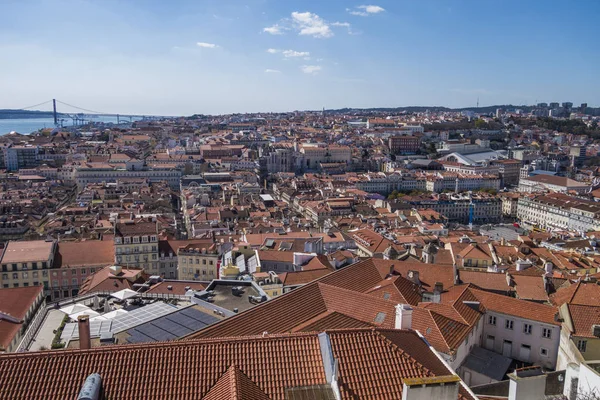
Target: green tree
(480, 124)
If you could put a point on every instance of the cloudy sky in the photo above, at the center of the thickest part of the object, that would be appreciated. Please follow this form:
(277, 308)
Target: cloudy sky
(219, 56)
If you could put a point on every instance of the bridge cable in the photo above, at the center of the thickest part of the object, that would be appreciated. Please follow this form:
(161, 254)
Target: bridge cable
(83, 109)
(35, 105)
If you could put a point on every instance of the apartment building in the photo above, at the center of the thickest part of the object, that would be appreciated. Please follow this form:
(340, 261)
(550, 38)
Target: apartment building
(136, 244)
(521, 330)
(560, 184)
(510, 203)
(478, 209)
(314, 155)
(196, 263)
(560, 212)
(104, 172)
(17, 157)
(404, 144)
(509, 171)
(29, 264)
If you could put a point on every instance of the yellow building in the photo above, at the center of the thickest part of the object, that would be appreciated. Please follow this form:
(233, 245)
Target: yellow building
(197, 264)
(28, 264)
(136, 245)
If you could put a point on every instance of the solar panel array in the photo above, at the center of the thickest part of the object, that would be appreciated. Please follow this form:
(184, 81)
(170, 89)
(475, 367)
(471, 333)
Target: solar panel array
(122, 322)
(171, 327)
(141, 315)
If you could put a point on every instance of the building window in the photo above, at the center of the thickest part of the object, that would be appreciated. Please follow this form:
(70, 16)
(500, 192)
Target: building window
(582, 345)
(4, 277)
(73, 272)
(25, 275)
(492, 320)
(544, 351)
(509, 324)
(35, 274)
(547, 333)
(34, 265)
(527, 329)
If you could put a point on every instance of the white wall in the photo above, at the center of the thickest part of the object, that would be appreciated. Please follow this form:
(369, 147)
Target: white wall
(589, 382)
(517, 337)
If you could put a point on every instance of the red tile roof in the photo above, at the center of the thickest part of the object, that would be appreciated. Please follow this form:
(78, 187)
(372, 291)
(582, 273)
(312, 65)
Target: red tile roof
(486, 280)
(16, 302)
(235, 385)
(581, 293)
(372, 365)
(518, 308)
(530, 288)
(583, 318)
(177, 287)
(91, 253)
(104, 281)
(397, 289)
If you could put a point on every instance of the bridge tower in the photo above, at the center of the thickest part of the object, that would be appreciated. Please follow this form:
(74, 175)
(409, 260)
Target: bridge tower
(55, 115)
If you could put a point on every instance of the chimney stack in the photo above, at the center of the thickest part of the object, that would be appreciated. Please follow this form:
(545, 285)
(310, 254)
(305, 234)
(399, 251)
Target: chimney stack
(85, 341)
(443, 387)
(403, 316)
(527, 383)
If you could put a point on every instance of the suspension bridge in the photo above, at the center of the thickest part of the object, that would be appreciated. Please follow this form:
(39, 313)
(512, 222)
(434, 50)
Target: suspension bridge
(82, 115)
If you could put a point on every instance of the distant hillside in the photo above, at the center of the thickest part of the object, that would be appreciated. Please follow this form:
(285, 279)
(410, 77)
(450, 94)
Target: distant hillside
(479, 110)
(23, 114)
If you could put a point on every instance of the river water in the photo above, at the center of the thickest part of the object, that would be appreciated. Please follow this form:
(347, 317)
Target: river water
(28, 125)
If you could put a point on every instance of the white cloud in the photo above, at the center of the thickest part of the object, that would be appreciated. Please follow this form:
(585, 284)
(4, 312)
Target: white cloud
(272, 71)
(343, 25)
(365, 11)
(290, 53)
(311, 69)
(346, 24)
(207, 45)
(294, 53)
(310, 24)
(274, 30)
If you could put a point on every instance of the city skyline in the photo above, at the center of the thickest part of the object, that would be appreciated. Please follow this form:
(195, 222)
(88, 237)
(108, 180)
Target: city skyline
(217, 57)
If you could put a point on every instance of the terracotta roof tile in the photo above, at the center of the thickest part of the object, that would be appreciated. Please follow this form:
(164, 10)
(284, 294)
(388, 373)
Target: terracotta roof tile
(530, 288)
(519, 308)
(583, 318)
(235, 385)
(580, 293)
(372, 365)
(485, 280)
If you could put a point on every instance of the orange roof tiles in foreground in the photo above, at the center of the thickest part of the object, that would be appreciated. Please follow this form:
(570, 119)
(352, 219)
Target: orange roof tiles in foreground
(15, 302)
(372, 365)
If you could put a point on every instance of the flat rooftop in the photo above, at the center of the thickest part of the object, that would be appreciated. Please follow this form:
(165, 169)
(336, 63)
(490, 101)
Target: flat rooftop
(224, 297)
(29, 251)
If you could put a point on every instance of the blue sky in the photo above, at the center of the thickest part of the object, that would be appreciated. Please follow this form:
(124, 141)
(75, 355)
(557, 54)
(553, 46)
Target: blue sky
(180, 57)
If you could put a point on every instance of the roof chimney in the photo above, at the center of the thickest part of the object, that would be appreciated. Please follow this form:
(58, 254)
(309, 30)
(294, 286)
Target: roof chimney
(403, 316)
(443, 387)
(527, 383)
(85, 341)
